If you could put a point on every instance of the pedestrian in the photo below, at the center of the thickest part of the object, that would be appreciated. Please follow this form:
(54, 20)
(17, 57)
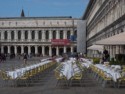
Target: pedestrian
(25, 58)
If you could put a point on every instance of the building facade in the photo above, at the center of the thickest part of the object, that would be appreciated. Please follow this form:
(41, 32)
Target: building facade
(35, 35)
(104, 19)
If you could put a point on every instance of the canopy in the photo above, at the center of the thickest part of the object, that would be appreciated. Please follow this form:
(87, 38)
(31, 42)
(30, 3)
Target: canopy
(96, 47)
(118, 39)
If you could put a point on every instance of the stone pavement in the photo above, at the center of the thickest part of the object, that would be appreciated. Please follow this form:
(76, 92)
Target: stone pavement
(47, 85)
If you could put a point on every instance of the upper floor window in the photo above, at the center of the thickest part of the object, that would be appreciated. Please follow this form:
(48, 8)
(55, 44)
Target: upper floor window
(47, 35)
(19, 35)
(68, 34)
(61, 34)
(26, 35)
(54, 34)
(40, 35)
(33, 34)
(5, 35)
(12, 35)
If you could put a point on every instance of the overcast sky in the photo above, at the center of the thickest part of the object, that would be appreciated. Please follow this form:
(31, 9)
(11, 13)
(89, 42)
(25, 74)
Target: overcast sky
(38, 8)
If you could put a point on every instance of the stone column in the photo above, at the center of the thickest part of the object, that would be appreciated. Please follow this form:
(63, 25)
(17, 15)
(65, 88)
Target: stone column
(71, 49)
(9, 35)
(2, 35)
(57, 34)
(15, 48)
(36, 35)
(2, 51)
(22, 49)
(64, 35)
(43, 35)
(114, 51)
(16, 34)
(72, 32)
(36, 49)
(111, 52)
(29, 35)
(121, 49)
(50, 51)
(43, 50)
(22, 35)
(64, 49)
(117, 50)
(8, 49)
(50, 34)
(57, 50)
(29, 49)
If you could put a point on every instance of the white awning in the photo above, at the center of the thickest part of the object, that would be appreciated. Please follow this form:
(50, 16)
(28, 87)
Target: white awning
(96, 47)
(118, 39)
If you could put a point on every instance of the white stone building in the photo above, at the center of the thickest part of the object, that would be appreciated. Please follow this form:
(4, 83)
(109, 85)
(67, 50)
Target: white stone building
(33, 35)
(105, 19)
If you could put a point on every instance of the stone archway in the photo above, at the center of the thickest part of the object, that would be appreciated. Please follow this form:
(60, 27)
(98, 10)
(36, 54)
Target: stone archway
(46, 50)
(5, 49)
(33, 50)
(39, 50)
(12, 49)
(61, 51)
(19, 50)
(53, 51)
(26, 49)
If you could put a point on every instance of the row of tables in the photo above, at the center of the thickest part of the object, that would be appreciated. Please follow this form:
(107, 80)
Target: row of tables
(16, 73)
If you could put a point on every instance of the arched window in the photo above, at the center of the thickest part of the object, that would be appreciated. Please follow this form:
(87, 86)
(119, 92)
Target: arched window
(68, 34)
(5, 35)
(61, 34)
(19, 35)
(12, 35)
(47, 35)
(26, 35)
(54, 34)
(39, 35)
(33, 34)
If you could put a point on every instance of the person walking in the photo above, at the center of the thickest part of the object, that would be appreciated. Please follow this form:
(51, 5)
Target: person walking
(25, 59)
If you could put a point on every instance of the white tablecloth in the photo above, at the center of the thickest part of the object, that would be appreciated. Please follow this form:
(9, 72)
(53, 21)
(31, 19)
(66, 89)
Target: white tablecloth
(20, 72)
(69, 69)
(109, 72)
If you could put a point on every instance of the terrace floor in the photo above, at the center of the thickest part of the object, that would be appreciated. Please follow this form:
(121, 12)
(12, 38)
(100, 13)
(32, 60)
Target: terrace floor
(47, 85)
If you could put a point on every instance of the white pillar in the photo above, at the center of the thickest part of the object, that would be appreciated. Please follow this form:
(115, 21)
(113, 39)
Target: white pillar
(36, 35)
(50, 34)
(111, 52)
(36, 49)
(64, 49)
(29, 35)
(43, 35)
(64, 35)
(2, 51)
(8, 49)
(2, 35)
(22, 35)
(72, 32)
(57, 51)
(16, 34)
(15, 48)
(57, 34)
(117, 49)
(22, 49)
(43, 50)
(29, 49)
(71, 49)
(50, 51)
(9, 35)
(121, 49)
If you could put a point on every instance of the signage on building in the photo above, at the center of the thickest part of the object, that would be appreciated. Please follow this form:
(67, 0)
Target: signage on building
(60, 42)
